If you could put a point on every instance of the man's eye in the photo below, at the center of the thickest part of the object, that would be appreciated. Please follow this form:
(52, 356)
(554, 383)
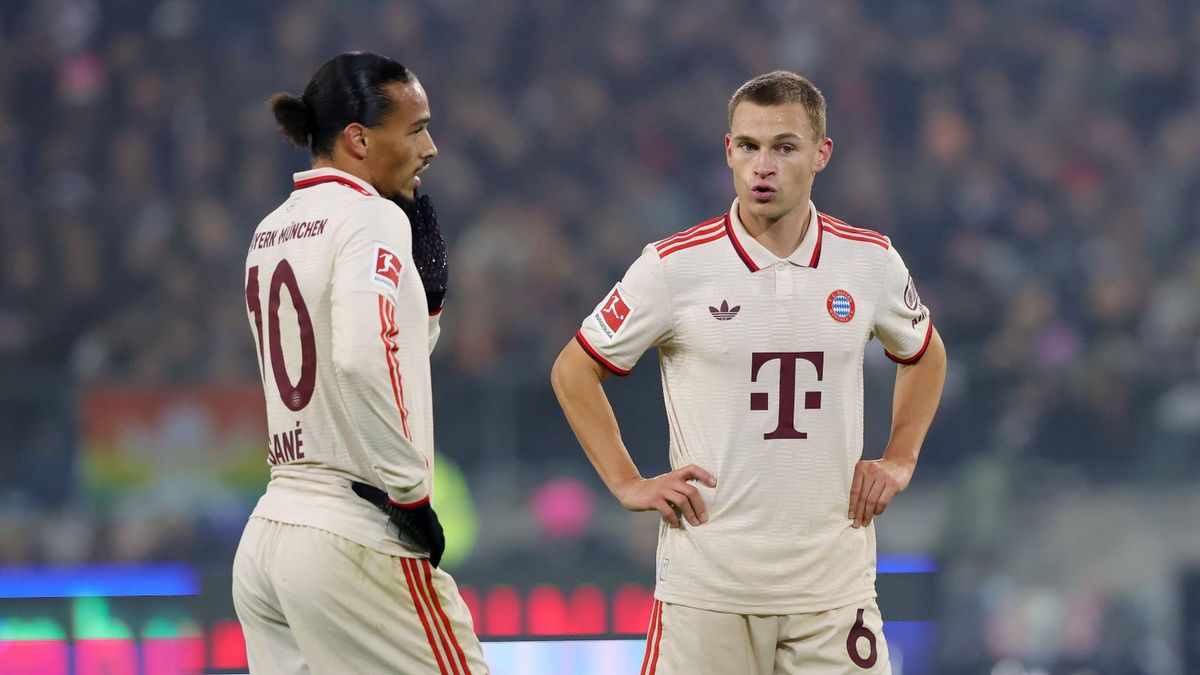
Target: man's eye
(787, 149)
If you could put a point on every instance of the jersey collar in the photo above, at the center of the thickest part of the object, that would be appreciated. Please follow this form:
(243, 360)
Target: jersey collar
(307, 179)
(757, 257)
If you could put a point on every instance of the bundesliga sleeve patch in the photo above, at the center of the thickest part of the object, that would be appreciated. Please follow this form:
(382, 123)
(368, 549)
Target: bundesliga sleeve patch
(386, 271)
(911, 299)
(611, 314)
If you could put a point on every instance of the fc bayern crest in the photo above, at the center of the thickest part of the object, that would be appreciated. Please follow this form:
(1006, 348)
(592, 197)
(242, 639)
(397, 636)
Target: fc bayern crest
(840, 306)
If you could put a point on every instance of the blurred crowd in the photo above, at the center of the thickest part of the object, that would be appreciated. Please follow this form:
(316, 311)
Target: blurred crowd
(1037, 162)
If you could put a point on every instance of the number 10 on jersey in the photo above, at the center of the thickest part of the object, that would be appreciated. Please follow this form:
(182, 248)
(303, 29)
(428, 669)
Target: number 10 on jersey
(294, 396)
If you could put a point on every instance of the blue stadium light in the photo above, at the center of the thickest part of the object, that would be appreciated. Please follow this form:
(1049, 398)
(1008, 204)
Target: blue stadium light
(906, 564)
(113, 581)
(172, 579)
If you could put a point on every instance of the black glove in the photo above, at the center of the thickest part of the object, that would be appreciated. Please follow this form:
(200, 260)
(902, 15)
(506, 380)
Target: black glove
(428, 250)
(418, 523)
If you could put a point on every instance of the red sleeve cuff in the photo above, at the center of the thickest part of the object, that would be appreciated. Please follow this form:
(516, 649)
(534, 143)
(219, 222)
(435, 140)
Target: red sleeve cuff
(920, 352)
(410, 505)
(596, 355)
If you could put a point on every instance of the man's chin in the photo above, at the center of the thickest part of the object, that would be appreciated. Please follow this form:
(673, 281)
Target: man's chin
(771, 210)
(404, 196)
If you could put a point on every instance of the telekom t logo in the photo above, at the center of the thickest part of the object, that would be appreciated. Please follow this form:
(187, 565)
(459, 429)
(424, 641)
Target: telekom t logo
(787, 389)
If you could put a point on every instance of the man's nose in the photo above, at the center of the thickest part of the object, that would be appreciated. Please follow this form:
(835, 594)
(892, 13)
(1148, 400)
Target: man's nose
(763, 165)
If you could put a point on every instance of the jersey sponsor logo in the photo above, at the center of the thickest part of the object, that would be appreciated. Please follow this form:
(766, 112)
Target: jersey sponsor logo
(387, 268)
(724, 312)
(611, 314)
(760, 400)
(840, 306)
(911, 299)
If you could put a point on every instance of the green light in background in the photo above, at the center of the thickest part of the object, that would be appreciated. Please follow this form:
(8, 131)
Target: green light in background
(456, 511)
(167, 627)
(93, 622)
(41, 628)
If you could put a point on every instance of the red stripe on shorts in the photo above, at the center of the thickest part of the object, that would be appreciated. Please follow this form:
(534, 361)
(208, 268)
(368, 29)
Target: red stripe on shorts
(653, 633)
(437, 603)
(423, 592)
(412, 589)
(657, 640)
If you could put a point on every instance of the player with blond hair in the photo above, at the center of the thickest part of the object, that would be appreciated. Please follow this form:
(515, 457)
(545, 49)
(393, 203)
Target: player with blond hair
(766, 556)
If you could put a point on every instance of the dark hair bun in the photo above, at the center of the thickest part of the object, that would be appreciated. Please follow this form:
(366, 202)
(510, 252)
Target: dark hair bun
(293, 117)
(349, 88)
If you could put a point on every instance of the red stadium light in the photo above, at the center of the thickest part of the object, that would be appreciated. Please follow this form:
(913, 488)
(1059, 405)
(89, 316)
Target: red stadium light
(48, 657)
(173, 656)
(589, 611)
(105, 655)
(471, 598)
(503, 612)
(228, 645)
(548, 612)
(631, 609)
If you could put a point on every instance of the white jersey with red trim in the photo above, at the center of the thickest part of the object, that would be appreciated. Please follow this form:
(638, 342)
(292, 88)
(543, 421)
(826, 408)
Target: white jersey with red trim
(343, 337)
(762, 373)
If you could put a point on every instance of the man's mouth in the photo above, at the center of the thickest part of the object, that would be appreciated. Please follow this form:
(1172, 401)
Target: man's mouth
(763, 193)
(417, 174)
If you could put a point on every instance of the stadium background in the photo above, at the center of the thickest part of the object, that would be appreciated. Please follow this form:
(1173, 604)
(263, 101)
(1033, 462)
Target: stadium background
(1036, 161)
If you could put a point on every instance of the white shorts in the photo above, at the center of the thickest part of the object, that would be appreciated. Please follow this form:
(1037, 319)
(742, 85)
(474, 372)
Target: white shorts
(844, 641)
(312, 602)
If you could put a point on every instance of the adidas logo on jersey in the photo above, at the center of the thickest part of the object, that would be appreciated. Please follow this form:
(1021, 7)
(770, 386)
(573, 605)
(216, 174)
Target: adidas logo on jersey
(726, 312)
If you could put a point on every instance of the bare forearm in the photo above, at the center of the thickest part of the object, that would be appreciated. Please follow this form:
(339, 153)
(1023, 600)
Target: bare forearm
(578, 384)
(914, 403)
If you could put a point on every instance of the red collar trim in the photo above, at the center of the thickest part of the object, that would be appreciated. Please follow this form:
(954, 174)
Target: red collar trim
(816, 256)
(309, 182)
(737, 246)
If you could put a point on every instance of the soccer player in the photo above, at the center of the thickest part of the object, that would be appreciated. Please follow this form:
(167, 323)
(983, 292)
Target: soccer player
(337, 571)
(766, 554)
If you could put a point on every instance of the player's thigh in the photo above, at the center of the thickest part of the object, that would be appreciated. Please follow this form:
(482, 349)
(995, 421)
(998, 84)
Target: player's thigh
(844, 641)
(270, 646)
(353, 609)
(688, 641)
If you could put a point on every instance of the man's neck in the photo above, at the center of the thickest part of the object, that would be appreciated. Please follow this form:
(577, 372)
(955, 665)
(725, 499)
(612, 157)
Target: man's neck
(356, 169)
(781, 237)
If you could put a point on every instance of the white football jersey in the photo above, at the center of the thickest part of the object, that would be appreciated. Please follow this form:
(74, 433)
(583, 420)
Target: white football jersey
(762, 374)
(343, 336)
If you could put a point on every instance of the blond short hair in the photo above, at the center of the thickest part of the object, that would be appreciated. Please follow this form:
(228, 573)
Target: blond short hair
(779, 87)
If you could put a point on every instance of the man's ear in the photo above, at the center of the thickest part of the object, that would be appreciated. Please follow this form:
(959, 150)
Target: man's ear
(824, 153)
(354, 140)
